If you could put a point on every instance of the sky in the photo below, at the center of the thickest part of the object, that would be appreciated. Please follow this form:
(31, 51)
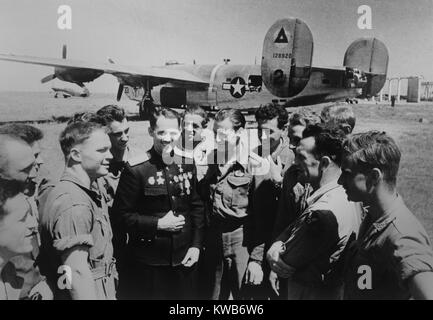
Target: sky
(151, 32)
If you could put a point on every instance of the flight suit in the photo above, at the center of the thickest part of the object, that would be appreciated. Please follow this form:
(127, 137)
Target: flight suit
(147, 191)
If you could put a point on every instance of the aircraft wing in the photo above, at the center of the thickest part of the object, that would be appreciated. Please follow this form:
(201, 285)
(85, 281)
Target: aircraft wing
(125, 74)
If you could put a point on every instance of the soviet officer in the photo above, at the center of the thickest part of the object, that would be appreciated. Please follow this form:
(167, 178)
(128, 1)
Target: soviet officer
(157, 204)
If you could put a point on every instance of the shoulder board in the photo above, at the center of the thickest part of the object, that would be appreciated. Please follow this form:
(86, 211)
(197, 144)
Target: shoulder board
(138, 159)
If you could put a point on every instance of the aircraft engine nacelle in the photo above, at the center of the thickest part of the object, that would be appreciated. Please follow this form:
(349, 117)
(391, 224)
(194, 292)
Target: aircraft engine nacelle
(173, 97)
(369, 56)
(287, 57)
(79, 75)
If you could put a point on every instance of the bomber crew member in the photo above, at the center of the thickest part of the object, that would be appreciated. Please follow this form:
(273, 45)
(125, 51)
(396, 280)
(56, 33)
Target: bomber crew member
(309, 251)
(17, 227)
(197, 141)
(274, 147)
(76, 232)
(226, 187)
(392, 258)
(17, 171)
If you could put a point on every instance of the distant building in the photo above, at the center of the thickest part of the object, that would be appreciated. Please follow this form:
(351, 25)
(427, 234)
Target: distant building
(427, 91)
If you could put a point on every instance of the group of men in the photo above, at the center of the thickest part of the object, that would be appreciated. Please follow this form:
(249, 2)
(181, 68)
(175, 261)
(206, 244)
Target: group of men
(297, 208)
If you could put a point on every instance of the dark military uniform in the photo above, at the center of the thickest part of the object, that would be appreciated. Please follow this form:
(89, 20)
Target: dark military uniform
(147, 191)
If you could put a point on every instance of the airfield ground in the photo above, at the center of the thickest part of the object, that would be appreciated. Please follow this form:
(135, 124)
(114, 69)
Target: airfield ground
(415, 138)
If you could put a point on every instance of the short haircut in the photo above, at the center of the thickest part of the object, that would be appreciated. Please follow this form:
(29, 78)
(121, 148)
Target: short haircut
(163, 112)
(8, 190)
(111, 113)
(304, 117)
(198, 111)
(271, 111)
(374, 149)
(235, 116)
(329, 141)
(76, 133)
(340, 114)
(5, 139)
(86, 117)
(23, 131)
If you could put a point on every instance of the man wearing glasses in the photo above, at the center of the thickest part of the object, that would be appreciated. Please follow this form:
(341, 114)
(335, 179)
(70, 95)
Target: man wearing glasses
(158, 206)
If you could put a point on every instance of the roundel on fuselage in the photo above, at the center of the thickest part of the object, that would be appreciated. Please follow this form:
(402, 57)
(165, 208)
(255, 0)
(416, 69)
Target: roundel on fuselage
(237, 87)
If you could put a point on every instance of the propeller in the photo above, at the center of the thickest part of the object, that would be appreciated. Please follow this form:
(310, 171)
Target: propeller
(53, 76)
(119, 92)
(48, 78)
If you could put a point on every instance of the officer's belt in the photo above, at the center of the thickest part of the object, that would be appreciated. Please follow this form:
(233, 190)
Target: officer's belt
(105, 270)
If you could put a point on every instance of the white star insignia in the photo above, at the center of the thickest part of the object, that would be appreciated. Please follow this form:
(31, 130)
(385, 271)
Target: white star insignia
(160, 179)
(237, 87)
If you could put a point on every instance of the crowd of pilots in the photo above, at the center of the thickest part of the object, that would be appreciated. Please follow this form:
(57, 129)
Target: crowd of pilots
(295, 206)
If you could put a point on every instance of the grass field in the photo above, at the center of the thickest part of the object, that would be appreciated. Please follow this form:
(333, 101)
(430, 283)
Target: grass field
(402, 123)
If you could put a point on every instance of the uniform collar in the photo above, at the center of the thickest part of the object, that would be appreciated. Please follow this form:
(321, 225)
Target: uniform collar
(68, 176)
(388, 215)
(155, 155)
(322, 190)
(116, 166)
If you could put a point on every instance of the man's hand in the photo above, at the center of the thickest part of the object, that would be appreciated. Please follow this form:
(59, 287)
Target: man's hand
(276, 169)
(277, 265)
(254, 273)
(275, 283)
(421, 286)
(171, 223)
(191, 257)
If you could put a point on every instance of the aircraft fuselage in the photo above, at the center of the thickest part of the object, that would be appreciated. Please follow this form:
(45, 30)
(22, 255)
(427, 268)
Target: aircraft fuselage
(242, 86)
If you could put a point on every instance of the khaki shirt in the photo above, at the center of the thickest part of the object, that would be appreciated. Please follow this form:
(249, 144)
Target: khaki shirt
(74, 215)
(387, 253)
(315, 241)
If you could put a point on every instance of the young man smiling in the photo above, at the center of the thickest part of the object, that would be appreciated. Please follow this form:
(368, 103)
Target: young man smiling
(17, 228)
(274, 148)
(76, 231)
